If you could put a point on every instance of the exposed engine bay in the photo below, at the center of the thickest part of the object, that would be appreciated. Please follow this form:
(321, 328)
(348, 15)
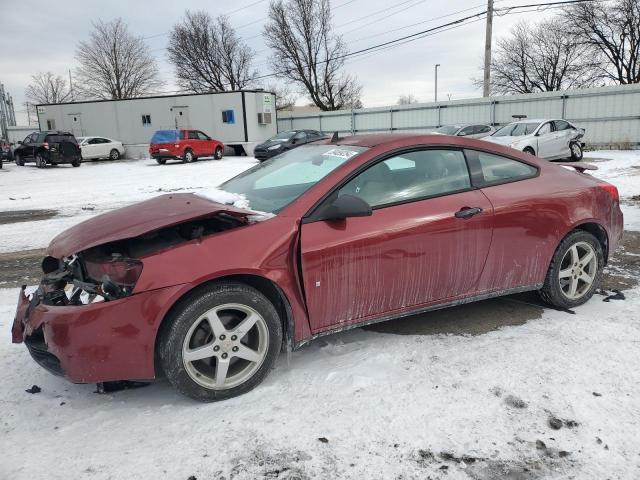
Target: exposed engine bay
(110, 271)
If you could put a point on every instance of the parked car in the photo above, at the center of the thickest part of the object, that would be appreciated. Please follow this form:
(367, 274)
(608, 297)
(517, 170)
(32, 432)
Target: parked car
(338, 235)
(548, 139)
(5, 151)
(284, 141)
(471, 130)
(185, 145)
(100, 147)
(49, 147)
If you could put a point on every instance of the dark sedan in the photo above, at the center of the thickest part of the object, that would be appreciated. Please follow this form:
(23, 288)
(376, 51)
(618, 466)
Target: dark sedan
(285, 141)
(325, 237)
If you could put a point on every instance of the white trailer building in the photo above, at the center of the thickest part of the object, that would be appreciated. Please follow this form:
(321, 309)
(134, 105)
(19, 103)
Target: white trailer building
(240, 119)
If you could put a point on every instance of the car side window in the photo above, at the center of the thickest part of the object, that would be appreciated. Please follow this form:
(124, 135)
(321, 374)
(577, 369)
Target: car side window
(27, 139)
(561, 125)
(496, 169)
(191, 135)
(202, 136)
(544, 129)
(470, 130)
(410, 176)
(483, 128)
(300, 136)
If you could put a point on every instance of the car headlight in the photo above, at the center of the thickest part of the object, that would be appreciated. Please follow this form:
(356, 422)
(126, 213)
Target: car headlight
(274, 147)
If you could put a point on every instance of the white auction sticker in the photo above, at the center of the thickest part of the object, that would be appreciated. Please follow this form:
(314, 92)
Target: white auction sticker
(337, 152)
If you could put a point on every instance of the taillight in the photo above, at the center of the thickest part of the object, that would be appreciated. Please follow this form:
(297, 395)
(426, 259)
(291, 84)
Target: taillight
(117, 276)
(177, 145)
(612, 190)
(45, 145)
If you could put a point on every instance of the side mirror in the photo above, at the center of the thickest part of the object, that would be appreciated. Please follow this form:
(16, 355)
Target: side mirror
(346, 206)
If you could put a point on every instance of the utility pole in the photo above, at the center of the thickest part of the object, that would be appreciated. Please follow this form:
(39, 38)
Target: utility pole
(436, 89)
(487, 51)
(73, 99)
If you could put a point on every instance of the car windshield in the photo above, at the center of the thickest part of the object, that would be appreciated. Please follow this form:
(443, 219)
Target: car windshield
(165, 136)
(448, 129)
(517, 129)
(274, 184)
(282, 137)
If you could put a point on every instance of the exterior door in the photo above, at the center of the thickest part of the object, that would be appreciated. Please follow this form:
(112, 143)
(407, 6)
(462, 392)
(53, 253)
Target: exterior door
(413, 250)
(90, 150)
(565, 134)
(181, 117)
(547, 142)
(75, 120)
(195, 142)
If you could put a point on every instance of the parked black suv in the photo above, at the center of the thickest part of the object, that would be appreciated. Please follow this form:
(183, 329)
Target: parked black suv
(52, 147)
(285, 141)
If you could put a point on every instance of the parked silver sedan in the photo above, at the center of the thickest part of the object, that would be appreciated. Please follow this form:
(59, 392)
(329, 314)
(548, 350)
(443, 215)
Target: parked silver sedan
(470, 130)
(547, 138)
(100, 147)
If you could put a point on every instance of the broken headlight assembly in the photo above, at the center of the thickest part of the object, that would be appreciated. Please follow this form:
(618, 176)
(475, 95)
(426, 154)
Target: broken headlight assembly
(79, 280)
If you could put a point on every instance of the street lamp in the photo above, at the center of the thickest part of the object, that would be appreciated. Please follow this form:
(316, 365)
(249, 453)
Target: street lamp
(436, 90)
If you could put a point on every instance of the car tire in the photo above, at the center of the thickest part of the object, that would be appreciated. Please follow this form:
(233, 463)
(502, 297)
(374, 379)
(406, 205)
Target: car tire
(217, 371)
(218, 153)
(576, 151)
(529, 150)
(161, 161)
(40, 161)
(566, 284)
(188, 156)
(76, 163)
(114, 154)
(18, 159)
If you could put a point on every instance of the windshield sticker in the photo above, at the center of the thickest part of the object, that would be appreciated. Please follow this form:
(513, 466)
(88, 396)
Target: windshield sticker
(337, 152)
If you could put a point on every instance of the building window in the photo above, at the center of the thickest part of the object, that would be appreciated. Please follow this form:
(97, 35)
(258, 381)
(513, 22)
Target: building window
(228, 117)
(51, 124)
(146, 120)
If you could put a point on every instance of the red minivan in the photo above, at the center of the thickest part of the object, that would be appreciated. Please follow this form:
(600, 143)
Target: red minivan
(185, 145)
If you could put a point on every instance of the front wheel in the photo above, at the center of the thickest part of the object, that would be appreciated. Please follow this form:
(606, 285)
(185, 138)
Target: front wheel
(188, 157)
(575, 271)
(114, 154)
(576, 151)
(76, 163)
(220, 342)
(218, 153)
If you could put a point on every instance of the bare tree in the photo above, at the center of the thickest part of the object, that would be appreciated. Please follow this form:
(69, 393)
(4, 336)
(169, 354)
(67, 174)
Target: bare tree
(612, 30)
(45, 87)
(285, 97)
(407, 99)
(308, 52)
(208, 56)
(541, 58)
(115, 64)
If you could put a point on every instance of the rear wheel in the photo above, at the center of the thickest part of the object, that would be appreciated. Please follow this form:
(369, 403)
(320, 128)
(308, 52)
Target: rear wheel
(76, 162)
(18, 159)
(188, 156)
(161, 161)
(40, 161)
(575, 271)
(114, 154)
(218, 153)
(221, 342)
(529, 150)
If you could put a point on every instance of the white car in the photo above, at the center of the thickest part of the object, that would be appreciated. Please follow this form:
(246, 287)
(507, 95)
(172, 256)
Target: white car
(470, 130)
(547, 138)
(100, 147)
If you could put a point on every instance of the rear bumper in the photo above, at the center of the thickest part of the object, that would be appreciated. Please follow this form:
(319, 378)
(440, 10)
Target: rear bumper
(97, 342)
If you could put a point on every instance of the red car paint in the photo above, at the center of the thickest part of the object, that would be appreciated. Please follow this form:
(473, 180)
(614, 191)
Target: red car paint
(330, 275)
(177, 149)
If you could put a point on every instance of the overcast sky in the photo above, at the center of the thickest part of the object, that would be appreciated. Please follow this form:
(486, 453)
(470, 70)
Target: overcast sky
(40, 36)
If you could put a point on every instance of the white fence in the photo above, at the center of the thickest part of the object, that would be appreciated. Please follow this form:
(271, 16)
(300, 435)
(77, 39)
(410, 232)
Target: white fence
(610, 115)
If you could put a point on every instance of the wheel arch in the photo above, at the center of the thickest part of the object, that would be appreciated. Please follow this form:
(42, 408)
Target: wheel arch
(267, 287)
(597, 230)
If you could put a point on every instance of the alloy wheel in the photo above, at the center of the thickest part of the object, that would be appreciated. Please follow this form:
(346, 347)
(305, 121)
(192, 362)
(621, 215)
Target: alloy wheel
(225, 346)
(576, 150)
(578, 270)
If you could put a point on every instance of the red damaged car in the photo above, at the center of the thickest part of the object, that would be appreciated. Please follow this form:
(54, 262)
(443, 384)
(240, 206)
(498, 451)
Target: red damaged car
(325, 237)
(184, 145)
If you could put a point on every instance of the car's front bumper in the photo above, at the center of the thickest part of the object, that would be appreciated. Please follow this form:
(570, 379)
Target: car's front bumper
(97, 342)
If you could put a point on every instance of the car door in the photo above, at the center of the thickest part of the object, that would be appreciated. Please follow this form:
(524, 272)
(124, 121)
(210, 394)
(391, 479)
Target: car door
(565, 134)
(104, 147)
(547, 142)
(299, 139)
(422, 244)
(207, 145)
(194, 141)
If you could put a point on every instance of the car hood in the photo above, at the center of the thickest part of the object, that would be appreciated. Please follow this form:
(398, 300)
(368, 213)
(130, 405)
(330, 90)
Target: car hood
(138, 219)
(271, 143)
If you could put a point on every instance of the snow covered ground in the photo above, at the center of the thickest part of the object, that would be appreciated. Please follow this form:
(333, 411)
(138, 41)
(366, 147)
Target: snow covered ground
(361, 404)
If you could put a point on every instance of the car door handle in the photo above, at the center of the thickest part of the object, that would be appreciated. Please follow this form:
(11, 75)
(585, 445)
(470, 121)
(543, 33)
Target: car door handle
(468, 212)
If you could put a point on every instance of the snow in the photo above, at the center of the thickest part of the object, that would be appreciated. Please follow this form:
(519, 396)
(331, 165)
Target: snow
(389, 406)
